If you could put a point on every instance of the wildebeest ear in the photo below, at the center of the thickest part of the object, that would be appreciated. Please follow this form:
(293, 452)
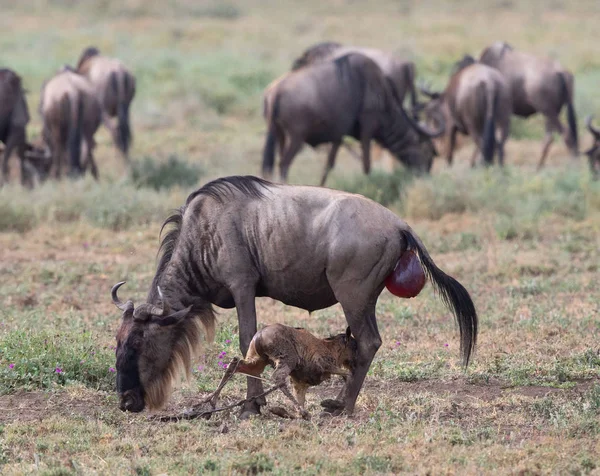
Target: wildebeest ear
(172, 319)
(348, 333)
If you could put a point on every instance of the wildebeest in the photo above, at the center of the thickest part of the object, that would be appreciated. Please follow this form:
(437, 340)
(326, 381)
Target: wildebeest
(114, 85)
(593, 152)
(476, 102)
(237, 238)
(537, 85)
(295, 353)
(14, 116)
(71, 115)
(400, 71)
(348, 96)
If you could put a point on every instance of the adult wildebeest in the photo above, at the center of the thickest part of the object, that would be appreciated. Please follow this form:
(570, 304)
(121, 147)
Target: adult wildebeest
(537, 85)
(347, 96)
(237, 238)
(114, 85)
(476, 102)
(400, 71)
(71, 115)
(593, 152)
(295, 353)
(14, 116)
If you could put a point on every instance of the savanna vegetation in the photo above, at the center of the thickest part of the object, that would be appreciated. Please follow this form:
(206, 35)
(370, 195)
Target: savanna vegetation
(524, 243)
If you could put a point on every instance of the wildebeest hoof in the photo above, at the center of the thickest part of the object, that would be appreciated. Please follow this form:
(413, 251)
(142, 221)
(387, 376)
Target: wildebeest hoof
(281, 412)
(333, 407)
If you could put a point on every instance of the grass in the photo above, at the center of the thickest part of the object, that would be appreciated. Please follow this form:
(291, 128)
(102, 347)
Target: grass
(524, 244)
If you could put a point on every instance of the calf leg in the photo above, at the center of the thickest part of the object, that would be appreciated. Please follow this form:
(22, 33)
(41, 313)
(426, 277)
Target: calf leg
(280, 375)
(293, 146)
(451, 144)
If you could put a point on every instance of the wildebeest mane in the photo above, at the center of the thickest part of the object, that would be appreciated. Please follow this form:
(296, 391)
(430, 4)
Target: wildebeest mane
(87, 54)
(219, 189)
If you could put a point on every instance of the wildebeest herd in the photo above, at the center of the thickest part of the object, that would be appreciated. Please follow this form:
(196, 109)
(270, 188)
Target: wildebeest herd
(73, 104)
(238, 238)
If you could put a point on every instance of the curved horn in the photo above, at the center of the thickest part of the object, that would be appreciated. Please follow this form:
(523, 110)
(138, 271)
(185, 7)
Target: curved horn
(144, 311)
(595, 132)
(424, 129)
(123, 306)
(426, 91)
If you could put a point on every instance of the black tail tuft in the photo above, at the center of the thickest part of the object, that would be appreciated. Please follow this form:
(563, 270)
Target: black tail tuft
(123, 130)
(454, 295)
(74, 133)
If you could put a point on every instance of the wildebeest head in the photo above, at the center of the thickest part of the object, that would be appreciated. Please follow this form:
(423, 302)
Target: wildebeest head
(593, 152)
(153, 345)
(345, 347)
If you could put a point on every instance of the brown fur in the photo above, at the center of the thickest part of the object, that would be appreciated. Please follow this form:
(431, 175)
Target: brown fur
(296, 353)
(537, 85)
(114, 86)
(476, 96)
(71, 115)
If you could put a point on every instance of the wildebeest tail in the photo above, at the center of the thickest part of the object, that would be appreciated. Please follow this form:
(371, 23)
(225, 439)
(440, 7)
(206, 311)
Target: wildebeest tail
(454, 295)
(271, 140)
(73, 118)
(489, 128)
(123, 138)
(566, 80)
(410, 84)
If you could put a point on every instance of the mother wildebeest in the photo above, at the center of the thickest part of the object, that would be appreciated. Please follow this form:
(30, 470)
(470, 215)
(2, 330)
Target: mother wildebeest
(114, 85)
(477, 103)
(537, 85)
(347, 96)
(241, 237)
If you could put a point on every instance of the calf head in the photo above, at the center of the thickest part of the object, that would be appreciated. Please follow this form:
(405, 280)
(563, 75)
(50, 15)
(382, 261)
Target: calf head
(344, 347)
(593, 152)
(153, 346)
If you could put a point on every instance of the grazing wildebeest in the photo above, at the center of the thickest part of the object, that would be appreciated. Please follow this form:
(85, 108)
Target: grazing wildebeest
(348, 96)
(14, 116)
(400, 71)
(114, 85)
(71, 115)
(593, 152)
(237, 238)
(476, 102)
(295, 353)
(537, 85)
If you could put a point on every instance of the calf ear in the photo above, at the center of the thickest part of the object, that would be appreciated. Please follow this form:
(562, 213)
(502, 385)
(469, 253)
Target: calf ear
(348, 334)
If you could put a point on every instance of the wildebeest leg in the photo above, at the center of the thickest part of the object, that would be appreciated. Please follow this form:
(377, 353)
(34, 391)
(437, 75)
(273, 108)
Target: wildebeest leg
(10, 144)
(280, 376)
(330, 161)
(89, 160)
(246, 311)
(451, 144)
(300, 389)
(366, 134)
(364, 328)
(293, 146)
(552, 125)
(501, 142)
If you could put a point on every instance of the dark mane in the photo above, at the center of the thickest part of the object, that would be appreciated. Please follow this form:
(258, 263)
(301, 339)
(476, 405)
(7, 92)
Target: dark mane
(467, 60)
(219, 189)
(225, 187)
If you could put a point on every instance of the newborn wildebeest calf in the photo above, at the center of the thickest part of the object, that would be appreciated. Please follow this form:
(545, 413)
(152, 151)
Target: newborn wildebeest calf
(296, 353)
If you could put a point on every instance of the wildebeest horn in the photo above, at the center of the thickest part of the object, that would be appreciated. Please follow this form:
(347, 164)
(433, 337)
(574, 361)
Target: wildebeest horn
(123, 306)
(595, 132)
(144, 311)
(426, 91)
(425, 129)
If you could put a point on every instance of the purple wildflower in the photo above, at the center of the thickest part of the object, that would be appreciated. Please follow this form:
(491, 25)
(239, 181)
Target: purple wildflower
(228, 341)
(110, 369)
(222, 354)
(398, 343)
(11, 366)
(445, 345)
(58, 370)
(81, 361)
(200, 368)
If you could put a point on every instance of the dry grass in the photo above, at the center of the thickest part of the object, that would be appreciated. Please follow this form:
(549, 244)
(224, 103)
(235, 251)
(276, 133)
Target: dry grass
(525, 246)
